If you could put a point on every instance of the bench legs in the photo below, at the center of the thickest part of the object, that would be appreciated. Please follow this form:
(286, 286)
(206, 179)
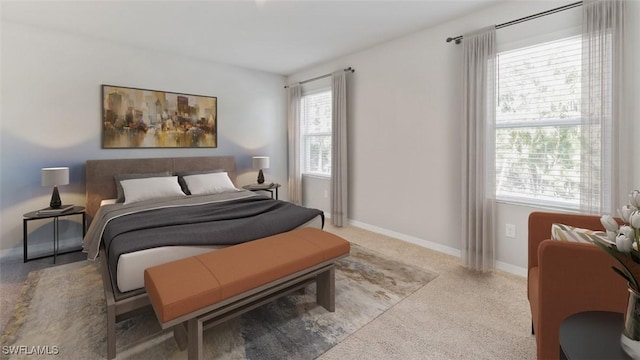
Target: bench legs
(326, 289)
(180, 335)
(111, 331)
(325, 297)
(195, 339)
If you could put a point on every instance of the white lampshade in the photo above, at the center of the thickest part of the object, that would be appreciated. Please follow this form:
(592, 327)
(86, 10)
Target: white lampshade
(260, 162)
(55, 176)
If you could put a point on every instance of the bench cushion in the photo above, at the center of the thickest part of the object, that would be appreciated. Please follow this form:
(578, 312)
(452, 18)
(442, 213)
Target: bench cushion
(180, 287)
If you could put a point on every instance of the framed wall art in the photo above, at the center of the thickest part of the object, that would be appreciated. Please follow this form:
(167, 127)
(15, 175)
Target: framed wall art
(140, 118)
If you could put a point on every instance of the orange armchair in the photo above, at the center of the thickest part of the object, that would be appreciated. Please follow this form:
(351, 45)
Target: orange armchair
(565, 278)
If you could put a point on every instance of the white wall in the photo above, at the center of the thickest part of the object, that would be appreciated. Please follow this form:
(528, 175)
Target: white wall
(51, 114)
(404, 151)
(633, 27)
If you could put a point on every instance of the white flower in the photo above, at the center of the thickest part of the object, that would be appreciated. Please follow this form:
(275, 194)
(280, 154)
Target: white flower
(611, 235)
(628, 232)
(623, 243)
(625, 213)
(609, 223)
(634, 198)
(634, 220)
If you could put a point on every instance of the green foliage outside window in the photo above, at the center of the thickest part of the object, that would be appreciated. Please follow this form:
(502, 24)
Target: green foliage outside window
(538, 123)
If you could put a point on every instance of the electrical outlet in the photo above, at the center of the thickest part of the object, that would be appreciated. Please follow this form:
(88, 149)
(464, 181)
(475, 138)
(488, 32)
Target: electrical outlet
(510, 230)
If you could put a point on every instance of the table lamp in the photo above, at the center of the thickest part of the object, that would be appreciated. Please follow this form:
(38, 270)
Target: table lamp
(260, 162)
(54, 177)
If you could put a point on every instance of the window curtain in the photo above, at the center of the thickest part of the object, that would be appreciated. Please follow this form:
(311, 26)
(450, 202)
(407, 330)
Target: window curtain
(605, 163)
(339, 149)
(478, 144)
(293, 121)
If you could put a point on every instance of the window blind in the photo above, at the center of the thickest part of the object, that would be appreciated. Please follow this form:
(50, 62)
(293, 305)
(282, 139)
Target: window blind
(316, 133)
(538, 124)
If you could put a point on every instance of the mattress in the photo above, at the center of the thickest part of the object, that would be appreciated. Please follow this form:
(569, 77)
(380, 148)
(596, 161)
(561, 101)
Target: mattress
(130, 273)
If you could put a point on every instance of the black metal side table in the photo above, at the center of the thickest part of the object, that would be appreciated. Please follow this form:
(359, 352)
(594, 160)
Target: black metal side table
(264, 187)
(34, 215)
(592, 335)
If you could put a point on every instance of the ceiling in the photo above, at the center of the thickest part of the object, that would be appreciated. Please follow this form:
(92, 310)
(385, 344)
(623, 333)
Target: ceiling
(280, 37)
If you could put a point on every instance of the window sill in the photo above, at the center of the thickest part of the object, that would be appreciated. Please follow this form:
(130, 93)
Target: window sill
(538, 206)
(317, 176)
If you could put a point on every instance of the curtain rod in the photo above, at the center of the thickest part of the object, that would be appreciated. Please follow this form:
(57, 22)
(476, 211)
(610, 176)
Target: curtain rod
(458, 39)
(349, 69)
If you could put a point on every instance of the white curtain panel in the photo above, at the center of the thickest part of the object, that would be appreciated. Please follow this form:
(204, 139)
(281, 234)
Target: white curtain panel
(478, 144)
(339, 149)
(293, 122)
(606, 143)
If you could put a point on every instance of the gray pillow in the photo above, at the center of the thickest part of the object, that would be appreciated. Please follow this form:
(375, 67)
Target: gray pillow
(182, 174)
(120, 177)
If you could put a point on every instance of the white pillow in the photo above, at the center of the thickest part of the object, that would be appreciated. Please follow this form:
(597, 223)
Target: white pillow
(150, 188)
(212, 183)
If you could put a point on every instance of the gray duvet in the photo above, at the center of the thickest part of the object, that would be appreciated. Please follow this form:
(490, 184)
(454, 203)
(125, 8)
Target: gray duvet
(221, 219)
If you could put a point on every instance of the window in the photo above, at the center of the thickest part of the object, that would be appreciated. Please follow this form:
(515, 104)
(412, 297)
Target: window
(538, 124)
(315, 132)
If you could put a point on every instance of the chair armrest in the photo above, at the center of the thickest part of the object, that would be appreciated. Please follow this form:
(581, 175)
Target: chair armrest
(576, 277)
(540, 229)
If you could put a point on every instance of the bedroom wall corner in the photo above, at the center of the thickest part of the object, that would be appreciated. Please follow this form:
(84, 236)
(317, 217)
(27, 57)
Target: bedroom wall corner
(404, 111)
(51, 116)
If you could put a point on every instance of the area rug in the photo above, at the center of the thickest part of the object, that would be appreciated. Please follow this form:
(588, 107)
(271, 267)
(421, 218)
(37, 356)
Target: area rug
(61, 313)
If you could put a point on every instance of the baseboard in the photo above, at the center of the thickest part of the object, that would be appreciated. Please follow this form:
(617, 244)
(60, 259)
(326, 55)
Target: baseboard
(11, 254)
(512, 269)
(408, 238)
(38, 249)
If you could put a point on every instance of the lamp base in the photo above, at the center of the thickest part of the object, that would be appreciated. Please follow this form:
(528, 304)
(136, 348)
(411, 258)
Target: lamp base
(260, 177)
(55, 199)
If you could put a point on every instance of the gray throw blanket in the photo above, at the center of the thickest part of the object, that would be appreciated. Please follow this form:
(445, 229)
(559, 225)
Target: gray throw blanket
(200, 220)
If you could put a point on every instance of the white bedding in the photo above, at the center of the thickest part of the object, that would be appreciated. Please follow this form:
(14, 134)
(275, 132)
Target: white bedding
(131, 266)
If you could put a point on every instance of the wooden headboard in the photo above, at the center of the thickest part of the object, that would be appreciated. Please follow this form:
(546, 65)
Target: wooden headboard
(101, 185)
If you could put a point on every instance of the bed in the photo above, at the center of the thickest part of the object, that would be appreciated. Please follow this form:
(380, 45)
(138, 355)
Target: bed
(123, 272)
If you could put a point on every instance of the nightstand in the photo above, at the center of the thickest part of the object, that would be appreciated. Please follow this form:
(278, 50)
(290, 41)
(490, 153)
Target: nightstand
(264, 187)
(592, 335)
(35, 215)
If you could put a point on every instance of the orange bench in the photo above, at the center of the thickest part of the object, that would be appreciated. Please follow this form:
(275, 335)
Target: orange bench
(214, 287)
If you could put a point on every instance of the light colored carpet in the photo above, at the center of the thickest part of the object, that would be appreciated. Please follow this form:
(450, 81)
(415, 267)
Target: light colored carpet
(458, 315)
(13, 273)
(64, 307)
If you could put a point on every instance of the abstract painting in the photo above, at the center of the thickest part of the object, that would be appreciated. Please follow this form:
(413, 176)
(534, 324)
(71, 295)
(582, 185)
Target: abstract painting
(140, 118)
